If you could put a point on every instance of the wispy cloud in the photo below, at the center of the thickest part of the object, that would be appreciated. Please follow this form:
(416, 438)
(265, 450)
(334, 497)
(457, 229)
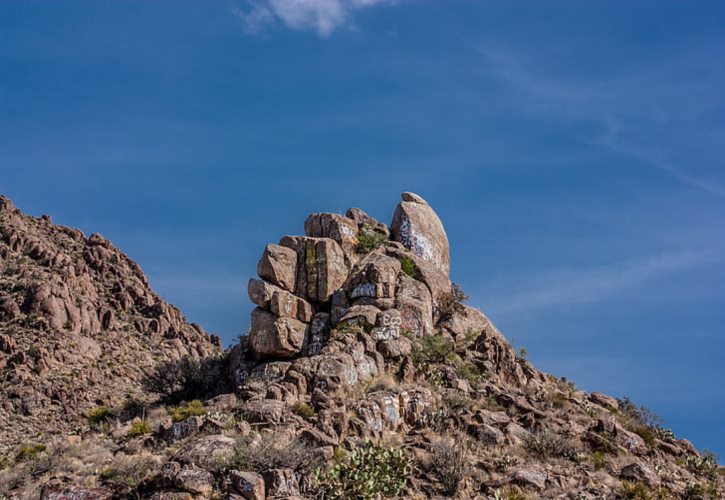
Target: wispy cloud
(322, 16)
(563, 287)
(652, 114)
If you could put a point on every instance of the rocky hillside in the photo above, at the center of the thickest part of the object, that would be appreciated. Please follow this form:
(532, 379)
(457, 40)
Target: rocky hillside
(79, 326)
(364, 375)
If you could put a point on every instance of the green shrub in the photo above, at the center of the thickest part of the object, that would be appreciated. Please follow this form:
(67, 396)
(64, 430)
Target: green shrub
(698, 491)
(99, 415)
(369, 239)
(505, 462)
(597, 458)
(303, 409)
(558, 399)
(703, 466)
(469, 372)
(636, 491)
(139, 428)
(186, 410)
(365, 473)
(28, 452)
(434, 349)
(602, 444)
(407, 266)
(647, 434)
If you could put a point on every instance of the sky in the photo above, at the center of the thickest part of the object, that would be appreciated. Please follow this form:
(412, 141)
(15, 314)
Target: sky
(574, 151)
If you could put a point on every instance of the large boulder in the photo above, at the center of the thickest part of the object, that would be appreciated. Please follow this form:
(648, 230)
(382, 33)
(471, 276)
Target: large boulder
(321, 266)
(248, 484)
(375, 277)
(272, 335)
(341, 229)
(414, 302)
(279, 301)
(416, 225)
(641, 473)
(278, 265)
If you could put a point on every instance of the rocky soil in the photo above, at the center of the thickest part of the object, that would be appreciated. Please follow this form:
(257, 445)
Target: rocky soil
(364, 375)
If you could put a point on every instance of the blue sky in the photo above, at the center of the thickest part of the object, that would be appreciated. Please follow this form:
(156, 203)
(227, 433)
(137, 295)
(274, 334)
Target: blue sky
(574, 152)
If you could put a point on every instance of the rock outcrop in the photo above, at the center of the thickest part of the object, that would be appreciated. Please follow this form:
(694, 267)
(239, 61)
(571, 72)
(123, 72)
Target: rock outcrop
(79, 324)
(363, 376)
(417, 226)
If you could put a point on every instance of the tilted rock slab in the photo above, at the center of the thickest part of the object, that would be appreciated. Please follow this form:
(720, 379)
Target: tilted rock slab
(416, 225)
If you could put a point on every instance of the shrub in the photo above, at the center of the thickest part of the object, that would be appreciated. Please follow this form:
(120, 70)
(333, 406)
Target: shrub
(456, 401)
(407, 266)
(270, 451)
(597, 458)
(557, 399)
(504, 462)
(451, 302)
(139, 428)
(448, 462)
(434, 349)
(345, 328)
(365, 473)
(638, 416)
(703, 466)
(469, 372)
(509, 493)
(636, 491)
(28, 452)
(189, 378)
(698, 491)
(128, 472)
(186, 410)
(602, 444)
(99, 415)
(303, 409)
(647, 434)
(368, 239)
(546, 444)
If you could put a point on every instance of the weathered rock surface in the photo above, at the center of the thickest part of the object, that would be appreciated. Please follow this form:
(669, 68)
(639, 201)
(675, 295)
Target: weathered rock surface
(417, 226)
(278, 265)
(79, 326)
(272, 335)
(350, 344)
(321, 266)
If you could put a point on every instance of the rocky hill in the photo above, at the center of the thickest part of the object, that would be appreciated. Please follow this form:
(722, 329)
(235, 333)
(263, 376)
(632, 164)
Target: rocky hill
(364, 375)
(79, 326)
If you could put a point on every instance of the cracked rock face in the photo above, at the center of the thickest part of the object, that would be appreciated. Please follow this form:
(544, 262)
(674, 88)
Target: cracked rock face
(324, 272)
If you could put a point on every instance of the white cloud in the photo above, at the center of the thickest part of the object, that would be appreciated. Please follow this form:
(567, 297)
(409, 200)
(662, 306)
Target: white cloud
(562, 287)
(322, 16)
(651, 114)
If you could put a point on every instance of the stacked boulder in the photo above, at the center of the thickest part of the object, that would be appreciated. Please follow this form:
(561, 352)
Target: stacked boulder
(308, 284)
(348, 303)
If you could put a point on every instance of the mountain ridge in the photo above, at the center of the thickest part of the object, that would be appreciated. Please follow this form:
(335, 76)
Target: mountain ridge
(364, 375)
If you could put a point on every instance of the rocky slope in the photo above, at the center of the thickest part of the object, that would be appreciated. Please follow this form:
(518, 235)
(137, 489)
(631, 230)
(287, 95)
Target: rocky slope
(78, 327)
(365, 376)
